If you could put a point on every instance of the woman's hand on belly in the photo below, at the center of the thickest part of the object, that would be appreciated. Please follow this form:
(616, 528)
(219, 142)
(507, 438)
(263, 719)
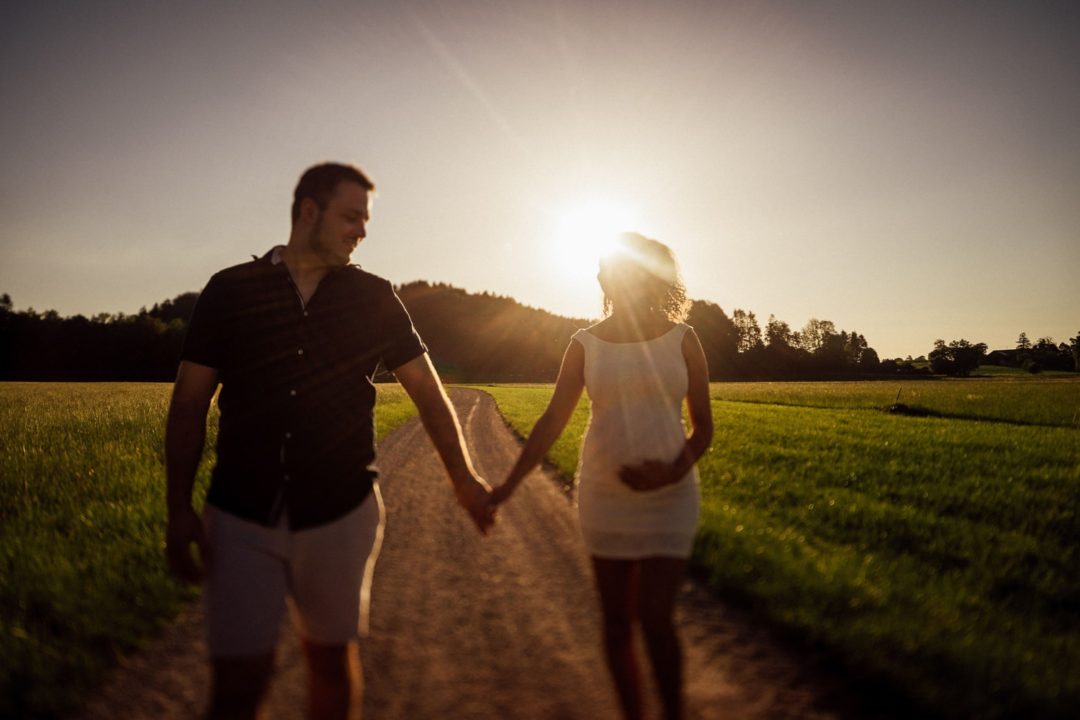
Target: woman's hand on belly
(647, 475)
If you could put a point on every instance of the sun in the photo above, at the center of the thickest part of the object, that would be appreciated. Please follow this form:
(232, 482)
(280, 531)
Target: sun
(586, 232)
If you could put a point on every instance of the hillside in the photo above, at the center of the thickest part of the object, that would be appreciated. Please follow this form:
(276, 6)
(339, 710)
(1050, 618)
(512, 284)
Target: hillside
(486, 337)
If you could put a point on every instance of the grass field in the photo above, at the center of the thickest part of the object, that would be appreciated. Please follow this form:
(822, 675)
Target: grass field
(521, 405)
(1003, 371)
(937, 555)
(1019, 399)
(82, 571)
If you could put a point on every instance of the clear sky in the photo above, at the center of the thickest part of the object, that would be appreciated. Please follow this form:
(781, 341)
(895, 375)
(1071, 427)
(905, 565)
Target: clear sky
(909, 170)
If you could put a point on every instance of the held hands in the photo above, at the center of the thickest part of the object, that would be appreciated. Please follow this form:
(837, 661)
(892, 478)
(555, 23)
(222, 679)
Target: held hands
(648, 475)
(184, 529)
(502, 493)
(645, 476)
(474, 494)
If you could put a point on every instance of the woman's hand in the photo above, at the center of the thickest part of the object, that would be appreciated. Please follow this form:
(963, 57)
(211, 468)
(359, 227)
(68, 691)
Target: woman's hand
(648, 475)
(474, 495)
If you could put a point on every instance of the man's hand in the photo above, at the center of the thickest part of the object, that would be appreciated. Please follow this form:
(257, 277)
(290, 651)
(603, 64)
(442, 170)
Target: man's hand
(421, 382)
(502, 493)
(648, 475)
(474, 495)
(184, 529)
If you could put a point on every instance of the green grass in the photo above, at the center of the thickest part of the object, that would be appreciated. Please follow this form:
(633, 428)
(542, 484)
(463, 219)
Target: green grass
(1003, 371)
(1019, 399)
(392, 409)
(82, 571)
(521, 406)
(937, 555)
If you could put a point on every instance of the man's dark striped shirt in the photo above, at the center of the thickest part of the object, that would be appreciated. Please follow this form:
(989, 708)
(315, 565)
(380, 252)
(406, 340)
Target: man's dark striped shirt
(297, 399)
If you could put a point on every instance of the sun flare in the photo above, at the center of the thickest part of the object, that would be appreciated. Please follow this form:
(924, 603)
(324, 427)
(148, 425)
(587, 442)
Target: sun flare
(586, 232)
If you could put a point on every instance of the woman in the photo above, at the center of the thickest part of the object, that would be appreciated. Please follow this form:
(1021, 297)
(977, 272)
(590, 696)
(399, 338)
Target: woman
(637, 486)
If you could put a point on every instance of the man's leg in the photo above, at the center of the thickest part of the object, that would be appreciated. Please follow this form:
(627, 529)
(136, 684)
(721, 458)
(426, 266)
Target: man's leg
(335, 685)
(244, 598)
(239, 687)
(331, 571)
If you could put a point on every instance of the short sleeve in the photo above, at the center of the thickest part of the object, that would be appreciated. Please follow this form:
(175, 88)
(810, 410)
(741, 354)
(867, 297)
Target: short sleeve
(203, 341)
(401, 341)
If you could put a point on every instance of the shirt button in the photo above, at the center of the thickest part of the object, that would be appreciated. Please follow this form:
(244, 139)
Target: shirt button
(288, 436)
(286, 478)
(300, 351)
(305, 313)
(293, 393)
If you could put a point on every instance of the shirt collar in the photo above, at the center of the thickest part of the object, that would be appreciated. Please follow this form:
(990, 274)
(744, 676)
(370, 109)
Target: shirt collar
(273, 257)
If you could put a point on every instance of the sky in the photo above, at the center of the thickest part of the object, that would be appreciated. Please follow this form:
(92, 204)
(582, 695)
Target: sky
(908, 170)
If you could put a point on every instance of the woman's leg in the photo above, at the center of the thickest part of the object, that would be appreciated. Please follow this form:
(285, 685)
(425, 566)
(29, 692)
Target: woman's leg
(616, 581)
(659, 584)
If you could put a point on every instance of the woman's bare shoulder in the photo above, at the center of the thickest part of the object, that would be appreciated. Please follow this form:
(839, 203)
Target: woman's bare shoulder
(595, 330)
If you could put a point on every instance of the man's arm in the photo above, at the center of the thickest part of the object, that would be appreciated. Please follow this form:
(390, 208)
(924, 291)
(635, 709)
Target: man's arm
(185, 435)
(421, 382)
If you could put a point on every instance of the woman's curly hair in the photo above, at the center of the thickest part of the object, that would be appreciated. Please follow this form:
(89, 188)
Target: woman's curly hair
(667, 294)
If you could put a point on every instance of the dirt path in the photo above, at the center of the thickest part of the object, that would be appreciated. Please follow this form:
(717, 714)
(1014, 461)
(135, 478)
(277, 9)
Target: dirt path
(499, 627)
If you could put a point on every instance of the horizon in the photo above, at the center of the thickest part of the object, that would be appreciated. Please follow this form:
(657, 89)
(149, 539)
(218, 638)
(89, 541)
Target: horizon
(436, 283)
(907, 171)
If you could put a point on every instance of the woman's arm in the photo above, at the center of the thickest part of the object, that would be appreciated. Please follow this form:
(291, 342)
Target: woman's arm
(568, 387)
(653, 474)
(697, 400)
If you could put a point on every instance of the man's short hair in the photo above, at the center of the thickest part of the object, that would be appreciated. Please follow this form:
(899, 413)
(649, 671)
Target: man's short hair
(320, 181)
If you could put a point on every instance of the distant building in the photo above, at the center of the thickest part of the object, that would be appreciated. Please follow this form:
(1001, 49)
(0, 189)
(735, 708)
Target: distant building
(1004, 358)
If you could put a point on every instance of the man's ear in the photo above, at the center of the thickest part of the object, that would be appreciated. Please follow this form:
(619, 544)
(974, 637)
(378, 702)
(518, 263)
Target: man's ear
(309, 210)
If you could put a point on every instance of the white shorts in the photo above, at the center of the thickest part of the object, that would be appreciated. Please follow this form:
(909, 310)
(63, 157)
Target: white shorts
(324, 575)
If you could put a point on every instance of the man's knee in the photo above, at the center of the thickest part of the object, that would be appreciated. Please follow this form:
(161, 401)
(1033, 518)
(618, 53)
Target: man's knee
(239, 685)
(329, 663)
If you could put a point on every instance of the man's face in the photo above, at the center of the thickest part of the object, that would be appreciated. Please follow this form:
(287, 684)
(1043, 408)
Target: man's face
(342, 225)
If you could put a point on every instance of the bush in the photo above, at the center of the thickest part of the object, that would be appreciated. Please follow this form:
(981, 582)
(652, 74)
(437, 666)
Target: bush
(958, 358)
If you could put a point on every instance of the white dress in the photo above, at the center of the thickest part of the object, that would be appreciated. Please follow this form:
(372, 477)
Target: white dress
(637, 390)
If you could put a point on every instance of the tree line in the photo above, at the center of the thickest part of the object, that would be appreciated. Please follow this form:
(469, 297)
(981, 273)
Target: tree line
(961, 357)
(45, 346)
(481, 337)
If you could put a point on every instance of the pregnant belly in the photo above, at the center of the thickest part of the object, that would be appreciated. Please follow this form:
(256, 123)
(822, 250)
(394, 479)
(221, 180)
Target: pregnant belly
(605, 503)
(606, 449)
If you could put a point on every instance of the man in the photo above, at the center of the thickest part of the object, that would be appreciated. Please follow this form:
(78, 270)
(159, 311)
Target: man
(293, 508)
